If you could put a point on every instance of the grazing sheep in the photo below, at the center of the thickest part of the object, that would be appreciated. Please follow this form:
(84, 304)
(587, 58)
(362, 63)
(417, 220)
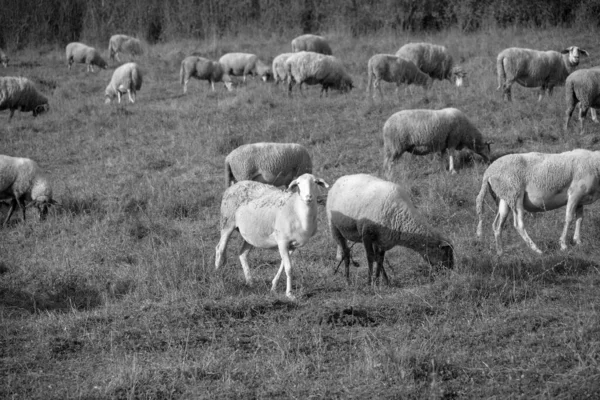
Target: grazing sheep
(274, 163)
(83, 54)
(533, 68)
(582, 86)
(21, 180)
(422, 132)
(123, 44)
(380, 214)
(314, 68)
(269, 218)
(126, 79)
(244, 64)
(279, 69)
(390, 68)
(434, 60)
(18, 93)
(3, 59)
(314, 43)
(204, 69)
(538, 182)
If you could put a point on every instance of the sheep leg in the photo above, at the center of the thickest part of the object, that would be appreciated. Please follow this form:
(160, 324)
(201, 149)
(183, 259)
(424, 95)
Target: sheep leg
(594, 116)
(520, 226)
(568, 115)
(131, 93)
(185, 83)
(582, 113)
(342, 253)
(499, 223)
(276, 279)
(10, 211)
(451, 153)
(542, 90)
(12, 112)
(243, 255)
(285, 252)
(578, 221)
(370, 255)
(570, 213)
(507, 90)
(379, 257)
(220, 250)
(212, 85)
(119, 96)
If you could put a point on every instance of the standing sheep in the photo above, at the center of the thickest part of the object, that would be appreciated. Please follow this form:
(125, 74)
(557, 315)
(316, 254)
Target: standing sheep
(314, 68)
(390, 68)
(380, 215)
(279, 69)
(314, 43)
(18, 93)
(273, 163)
(582, 86)
(434, 60)
(203, 69)
(422, 132)
(3, 59)
(21, 180)
(538, 182)
(533, 68)
(269, 218)
(83, 54)
(244, 64)
(126, 79)
(123, 44)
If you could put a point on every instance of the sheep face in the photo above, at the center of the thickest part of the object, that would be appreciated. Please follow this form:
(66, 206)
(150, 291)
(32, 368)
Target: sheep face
(574, 54)
(306, 186)
(228, 84)
(439, 254)
(42, 108)
(458, 75)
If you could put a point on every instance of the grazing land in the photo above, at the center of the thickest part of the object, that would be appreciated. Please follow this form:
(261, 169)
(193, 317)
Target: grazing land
(115, 294)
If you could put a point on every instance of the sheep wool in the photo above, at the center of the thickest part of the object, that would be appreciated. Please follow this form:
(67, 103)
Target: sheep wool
(244, 64)
(126, 79)
(17, 93)
(124, 44)
(278, 68)
(314, 68)
(379, 214)
(394, 69)
(314, 43)
(203, 69)
(83, 54)
(582, 86)
(434, 60)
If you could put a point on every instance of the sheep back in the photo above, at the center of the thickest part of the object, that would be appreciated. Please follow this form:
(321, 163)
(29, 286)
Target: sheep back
(17, 93)
(583, 86)
(201, 68)
(314, 68)
(127, 76)
(278, 67)
(22, 177)
(434, 60)
(314, 43)
(241, 64)
(84, 54)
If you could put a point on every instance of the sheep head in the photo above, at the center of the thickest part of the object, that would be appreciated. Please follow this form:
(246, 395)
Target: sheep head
(574, 54)
(439, 253)
(458, 75)
(306, 186)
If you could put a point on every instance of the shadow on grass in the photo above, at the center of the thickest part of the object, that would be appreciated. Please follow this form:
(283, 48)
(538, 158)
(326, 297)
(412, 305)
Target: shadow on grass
(66, 298)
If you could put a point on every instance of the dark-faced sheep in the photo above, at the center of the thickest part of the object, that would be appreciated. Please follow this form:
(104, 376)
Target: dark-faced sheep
(434, 60)
(314, 43)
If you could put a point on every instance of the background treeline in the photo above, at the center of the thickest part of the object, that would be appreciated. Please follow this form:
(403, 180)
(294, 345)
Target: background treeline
(27, 22)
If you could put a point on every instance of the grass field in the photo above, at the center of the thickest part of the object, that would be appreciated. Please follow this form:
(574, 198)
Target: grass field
(115, 294)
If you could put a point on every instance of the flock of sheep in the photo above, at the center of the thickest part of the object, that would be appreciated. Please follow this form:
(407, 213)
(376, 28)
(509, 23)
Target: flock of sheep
(360, 208)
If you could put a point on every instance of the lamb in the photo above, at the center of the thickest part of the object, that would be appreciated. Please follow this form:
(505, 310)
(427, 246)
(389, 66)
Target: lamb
(380, 214)
(204, 69)
(126, 79)
(582, 86)
(17, 93)
(422, 132)
(314, 68)
(538, 182)
(278, 68)
(269, 218)
(533, 68)
(434, 60)
(123, 44)
(83, 54)
(390, 68)
(314, 43)
(21, 181)
(3, 59)
(244, 64)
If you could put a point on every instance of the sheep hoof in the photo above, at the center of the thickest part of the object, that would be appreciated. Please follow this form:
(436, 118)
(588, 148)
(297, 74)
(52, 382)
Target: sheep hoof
(291, 297)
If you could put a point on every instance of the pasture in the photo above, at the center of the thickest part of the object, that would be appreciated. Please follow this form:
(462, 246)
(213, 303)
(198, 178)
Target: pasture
(115, 294)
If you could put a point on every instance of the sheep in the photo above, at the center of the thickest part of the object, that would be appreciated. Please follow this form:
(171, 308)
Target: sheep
(434, 60)
(538, 182)
(123, 44)
(390, 68)
(422, 132)
(582, 86)
(269, 218)
(3, 59)
(204, 69)
(314, 68)
(17, 93)
(276, 164)
(83, 54)
(22, 180)
(380, 214)
(314, 43)
(244, 64)
(278, 68)
(126, 79)
(533, 68)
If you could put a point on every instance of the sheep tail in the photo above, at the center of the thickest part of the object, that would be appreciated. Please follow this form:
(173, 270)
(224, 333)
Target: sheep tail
(485, 186)
(229, 178)
(500, 71)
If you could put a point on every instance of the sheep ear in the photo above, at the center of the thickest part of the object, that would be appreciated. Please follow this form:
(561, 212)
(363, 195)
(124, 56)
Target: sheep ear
(321, 183)
(293, 185)
(584, 53)
(567, 50)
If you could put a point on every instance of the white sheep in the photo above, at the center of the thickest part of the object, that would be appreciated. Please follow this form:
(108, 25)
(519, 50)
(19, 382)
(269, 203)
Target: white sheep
(126, 79)
(380, 215)
(203, 69)
(314, 43)
(422, 132)
(274, 163)
(269, 218)
(3, 59)
(434, 60)
(534, 68)
(83, 54)
(279, 69)
(394, 69)
(538, 182)
(22, 181)
(314, 68)
(124, 44)
(583, 87)
(244, 64)
(17, 93)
